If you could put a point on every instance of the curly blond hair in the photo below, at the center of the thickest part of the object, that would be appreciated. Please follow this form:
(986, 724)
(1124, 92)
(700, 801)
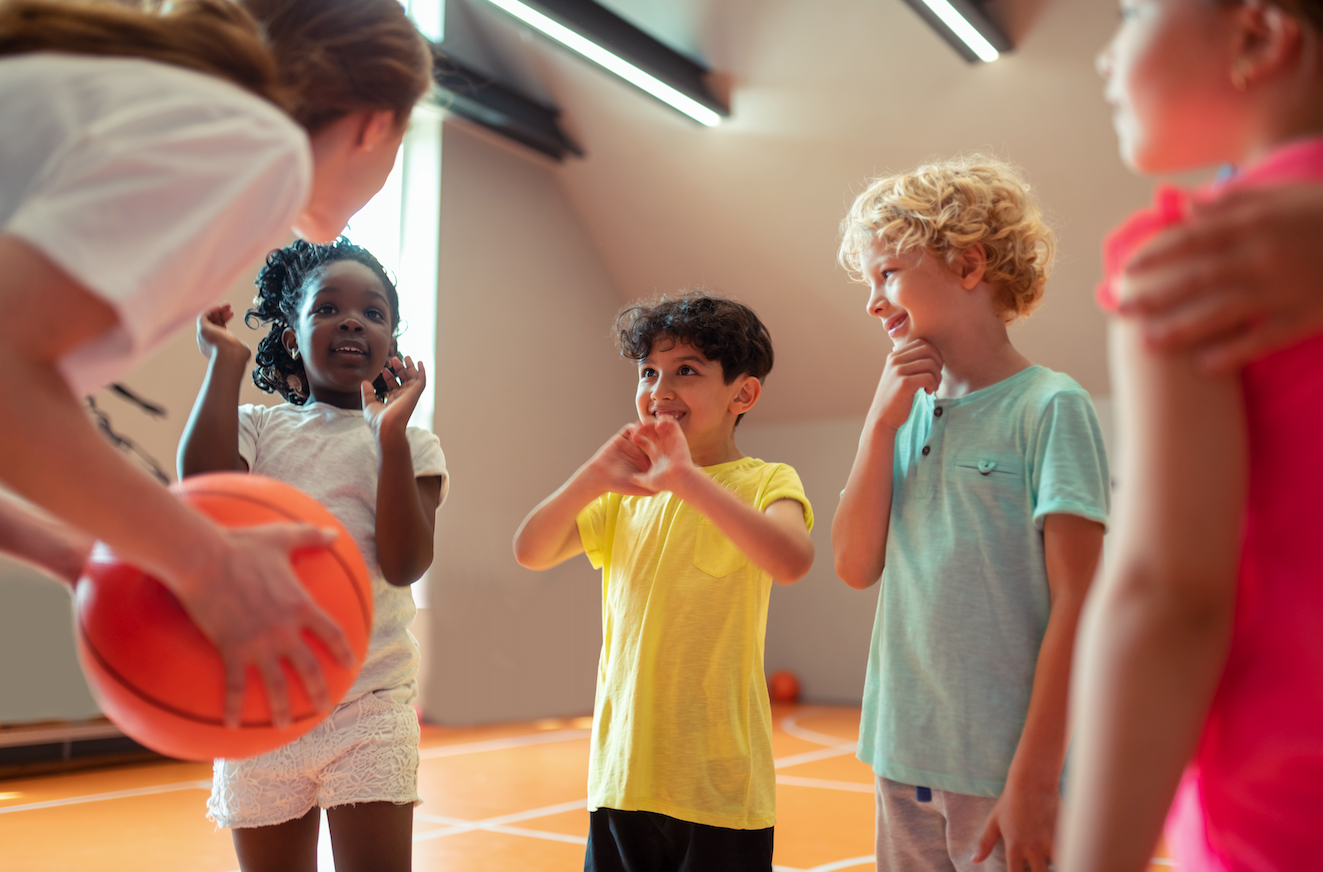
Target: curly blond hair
(947, 207)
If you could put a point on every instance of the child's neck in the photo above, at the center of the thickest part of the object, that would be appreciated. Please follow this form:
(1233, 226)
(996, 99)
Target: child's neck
(720, 449)
(340, 400)
(1288, 110)
(979, 357)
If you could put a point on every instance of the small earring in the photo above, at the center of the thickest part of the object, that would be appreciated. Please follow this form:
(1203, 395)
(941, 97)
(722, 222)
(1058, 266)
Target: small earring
(1240, 75)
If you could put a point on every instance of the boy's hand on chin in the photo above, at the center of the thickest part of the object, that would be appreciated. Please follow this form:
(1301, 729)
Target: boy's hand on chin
(1026, 820)
(667, 450)
(911, 367)
(619, 462)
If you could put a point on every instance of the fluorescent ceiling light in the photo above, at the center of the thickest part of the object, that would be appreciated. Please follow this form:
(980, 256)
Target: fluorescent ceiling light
(609, 61)
(963, 29)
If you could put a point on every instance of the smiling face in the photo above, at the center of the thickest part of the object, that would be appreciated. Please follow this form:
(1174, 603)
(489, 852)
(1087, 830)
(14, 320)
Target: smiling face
(914, 294)
(1170, 71)
(679, 382)
(344, 333)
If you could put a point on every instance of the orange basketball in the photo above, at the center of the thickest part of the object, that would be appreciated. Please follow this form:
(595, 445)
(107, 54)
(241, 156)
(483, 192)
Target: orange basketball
(783, 687)
(160, 679)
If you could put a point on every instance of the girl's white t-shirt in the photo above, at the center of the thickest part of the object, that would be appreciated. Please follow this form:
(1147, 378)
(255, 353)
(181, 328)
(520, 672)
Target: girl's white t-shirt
(153, 186)
(330, 454)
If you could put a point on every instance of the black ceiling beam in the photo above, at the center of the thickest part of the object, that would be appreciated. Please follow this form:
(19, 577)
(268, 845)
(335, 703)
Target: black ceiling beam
(610, 31)
(500, 108)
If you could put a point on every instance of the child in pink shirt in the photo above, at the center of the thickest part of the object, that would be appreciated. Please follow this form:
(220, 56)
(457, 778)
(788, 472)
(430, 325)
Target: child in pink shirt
(1200, 696)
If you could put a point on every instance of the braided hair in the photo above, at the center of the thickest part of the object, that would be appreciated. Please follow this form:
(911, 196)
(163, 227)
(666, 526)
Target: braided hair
(280, 291)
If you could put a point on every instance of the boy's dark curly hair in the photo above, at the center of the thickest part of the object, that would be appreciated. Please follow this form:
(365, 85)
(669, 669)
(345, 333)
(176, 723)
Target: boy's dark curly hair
(721, 329)
(280, 291)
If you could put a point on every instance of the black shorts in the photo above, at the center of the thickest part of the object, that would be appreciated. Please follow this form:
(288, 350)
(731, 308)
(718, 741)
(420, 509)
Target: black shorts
(644, 841)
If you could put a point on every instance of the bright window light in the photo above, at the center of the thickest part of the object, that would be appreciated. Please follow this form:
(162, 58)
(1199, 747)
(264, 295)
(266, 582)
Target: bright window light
(605, 59)
(963, 29)
(401, 227)
(429, 16)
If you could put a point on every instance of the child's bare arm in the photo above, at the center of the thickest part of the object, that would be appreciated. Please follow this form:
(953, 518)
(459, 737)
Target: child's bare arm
(859, 530)
(1025, 815)
(550, 535)
(406, 505)
(45, 542)
(776, 539)
(1155, 635)
(406, 513)
(211, 436)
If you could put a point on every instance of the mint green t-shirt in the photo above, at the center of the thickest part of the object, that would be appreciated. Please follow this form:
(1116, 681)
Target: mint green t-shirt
(964, 598)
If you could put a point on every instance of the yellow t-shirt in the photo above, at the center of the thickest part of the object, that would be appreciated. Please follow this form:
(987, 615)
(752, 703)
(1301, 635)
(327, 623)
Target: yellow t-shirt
(682, 725)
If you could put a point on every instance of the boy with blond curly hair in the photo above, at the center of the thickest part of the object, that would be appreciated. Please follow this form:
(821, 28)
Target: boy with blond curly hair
(978, 496)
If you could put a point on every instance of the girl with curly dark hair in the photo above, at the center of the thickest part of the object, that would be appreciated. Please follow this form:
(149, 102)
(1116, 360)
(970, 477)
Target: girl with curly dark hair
(149, 153)
(333, 314)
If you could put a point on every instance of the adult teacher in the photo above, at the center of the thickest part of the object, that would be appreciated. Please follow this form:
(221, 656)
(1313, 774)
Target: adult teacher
(147, 158)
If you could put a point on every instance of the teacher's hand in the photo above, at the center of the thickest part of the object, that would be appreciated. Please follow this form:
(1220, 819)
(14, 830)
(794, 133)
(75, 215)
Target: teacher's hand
(1237, 281)
(251, 605)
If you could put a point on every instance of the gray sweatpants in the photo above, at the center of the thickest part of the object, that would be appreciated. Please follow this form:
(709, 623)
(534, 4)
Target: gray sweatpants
(936, 836)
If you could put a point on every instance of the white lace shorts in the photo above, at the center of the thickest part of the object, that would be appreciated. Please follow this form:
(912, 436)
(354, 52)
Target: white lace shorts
(365, 751)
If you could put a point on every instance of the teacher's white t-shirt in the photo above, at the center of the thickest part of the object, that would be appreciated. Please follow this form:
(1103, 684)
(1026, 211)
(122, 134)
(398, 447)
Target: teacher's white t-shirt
(153, 186)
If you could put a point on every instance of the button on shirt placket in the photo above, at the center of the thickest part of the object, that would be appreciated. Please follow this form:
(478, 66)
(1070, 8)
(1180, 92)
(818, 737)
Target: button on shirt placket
(930, 455)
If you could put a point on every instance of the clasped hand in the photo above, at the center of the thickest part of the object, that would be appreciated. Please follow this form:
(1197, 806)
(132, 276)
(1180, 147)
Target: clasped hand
(643, 459)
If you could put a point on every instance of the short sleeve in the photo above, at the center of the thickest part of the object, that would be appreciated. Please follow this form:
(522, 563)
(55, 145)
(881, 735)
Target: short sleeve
(591, 522)
(251, 420)
(428, 458)
(782, 483)
(1169, 207)
(158, 202)
(1069, 474)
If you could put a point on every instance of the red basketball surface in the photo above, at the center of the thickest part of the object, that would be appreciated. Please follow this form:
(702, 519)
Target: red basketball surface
(783, 687)
(160, 679)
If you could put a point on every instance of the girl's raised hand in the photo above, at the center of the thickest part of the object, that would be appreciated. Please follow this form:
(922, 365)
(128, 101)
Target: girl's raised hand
(214, 339)
(404, 385)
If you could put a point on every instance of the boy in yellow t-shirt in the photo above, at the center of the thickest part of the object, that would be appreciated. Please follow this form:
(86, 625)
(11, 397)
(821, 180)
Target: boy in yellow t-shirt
(689, 534)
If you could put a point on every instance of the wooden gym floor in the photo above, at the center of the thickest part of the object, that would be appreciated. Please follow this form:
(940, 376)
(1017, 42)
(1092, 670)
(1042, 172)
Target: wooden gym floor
(505, 798)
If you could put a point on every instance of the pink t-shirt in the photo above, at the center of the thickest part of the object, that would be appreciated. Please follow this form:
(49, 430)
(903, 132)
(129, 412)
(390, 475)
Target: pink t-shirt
(1252, 797)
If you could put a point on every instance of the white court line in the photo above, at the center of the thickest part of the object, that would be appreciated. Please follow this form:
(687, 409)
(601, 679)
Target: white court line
(511, 831)
(810, 756)
(502, 744)
(796, 781)
(790, 724)
(117, 794)
(538, 834)
(830, 867)
(835, 746)
(455, 826)
(844, 864)
(424, 754)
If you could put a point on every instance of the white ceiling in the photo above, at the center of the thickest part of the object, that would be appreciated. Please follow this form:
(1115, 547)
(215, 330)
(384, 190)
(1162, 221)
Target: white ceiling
(824, 94)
